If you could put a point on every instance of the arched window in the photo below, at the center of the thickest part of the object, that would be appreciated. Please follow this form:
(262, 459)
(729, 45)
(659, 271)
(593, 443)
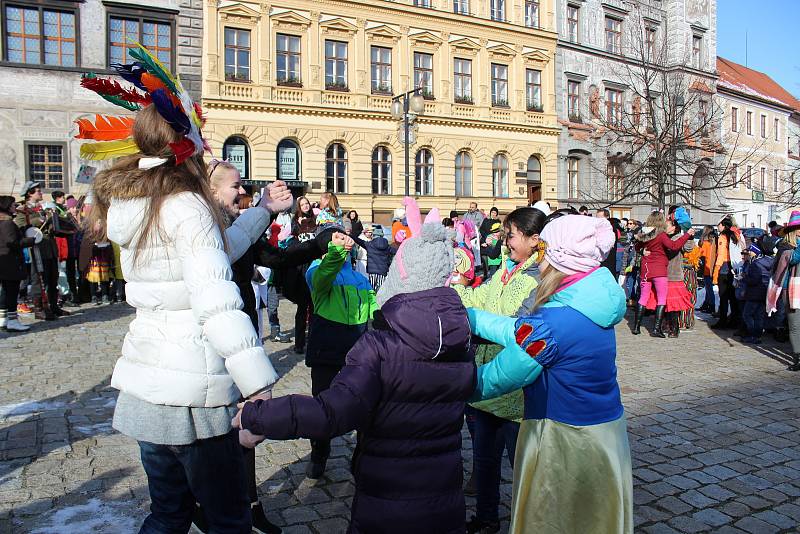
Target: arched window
(381, 171)
(463, 174)
(534, 169)
(237, 151)
(289, 159)
(573, 172)
(500, 176)
(336, 168)
(423, 172)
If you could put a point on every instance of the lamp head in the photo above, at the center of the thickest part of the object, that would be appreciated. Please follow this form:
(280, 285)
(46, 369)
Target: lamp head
(417, 103)
(397, 110)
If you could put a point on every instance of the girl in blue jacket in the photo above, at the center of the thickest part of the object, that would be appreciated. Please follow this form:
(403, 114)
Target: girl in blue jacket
(573, 468)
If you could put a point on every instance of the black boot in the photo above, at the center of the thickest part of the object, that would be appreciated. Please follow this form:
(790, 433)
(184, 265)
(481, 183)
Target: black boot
(795, 362)
(658, 331)
(674, 324)
(637, 321)
(261, 524)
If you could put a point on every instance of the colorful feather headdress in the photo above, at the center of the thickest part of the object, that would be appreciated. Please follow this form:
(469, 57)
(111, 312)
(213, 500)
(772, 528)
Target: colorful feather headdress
(158, 88)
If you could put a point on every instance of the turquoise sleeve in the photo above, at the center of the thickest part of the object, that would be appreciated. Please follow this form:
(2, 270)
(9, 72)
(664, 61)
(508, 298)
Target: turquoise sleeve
(796, 254)
(491, 327)
(511, 370)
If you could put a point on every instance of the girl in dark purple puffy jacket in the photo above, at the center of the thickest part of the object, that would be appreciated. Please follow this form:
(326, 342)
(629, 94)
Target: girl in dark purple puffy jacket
(403, 388)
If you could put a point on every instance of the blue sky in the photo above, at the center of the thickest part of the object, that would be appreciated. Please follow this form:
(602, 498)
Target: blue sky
(773, 35)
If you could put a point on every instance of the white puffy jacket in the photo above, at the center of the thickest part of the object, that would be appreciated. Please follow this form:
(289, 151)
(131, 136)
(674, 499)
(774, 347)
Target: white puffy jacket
(190, 343)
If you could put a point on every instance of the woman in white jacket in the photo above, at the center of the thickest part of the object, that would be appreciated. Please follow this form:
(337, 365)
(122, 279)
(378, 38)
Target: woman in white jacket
(191, 352)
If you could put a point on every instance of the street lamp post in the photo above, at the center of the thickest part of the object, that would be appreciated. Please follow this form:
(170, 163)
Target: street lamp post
(404, 107)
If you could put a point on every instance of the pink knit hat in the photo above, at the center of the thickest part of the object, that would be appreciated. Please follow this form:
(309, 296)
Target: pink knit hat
(576, 244)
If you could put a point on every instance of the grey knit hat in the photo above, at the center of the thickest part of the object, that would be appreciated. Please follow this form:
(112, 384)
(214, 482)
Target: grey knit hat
(424, 261)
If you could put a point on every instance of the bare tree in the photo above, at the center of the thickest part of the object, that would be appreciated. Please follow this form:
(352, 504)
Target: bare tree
(665, 145)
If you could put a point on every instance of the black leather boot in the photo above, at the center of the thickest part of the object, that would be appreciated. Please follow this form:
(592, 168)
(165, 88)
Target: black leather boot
(795, 363)
(637, 321)
(674, 324)
(658, 331)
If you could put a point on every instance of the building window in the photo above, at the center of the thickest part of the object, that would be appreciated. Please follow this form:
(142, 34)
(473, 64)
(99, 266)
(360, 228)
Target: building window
(735, 175)
(500, 176)
(39, 36)
(614, 107)
(533, 89)
(572, 23)
(461, 7)
(288, 59)
(336, 65)
(776, 128)
(336, 168)
(697, 52)
(237, 55)
(763, 126)
(749, 177)
(422, 3)
(381, 171)
(423, 172)
(534, 170)
(734, 119)
(46, 165)
(124, 32)
(573, 166)
(462, 80)
(613, 35)
(290, 164)
(574, 100)
(532, 13)
(749, 123)
(763, 179)
(702, 117)
(498, 10)
(775, 180)
(423, 74)
(650, 33)
(499, 85)
(236, 151)
(615, 181)
(381, 60)
(463, 174)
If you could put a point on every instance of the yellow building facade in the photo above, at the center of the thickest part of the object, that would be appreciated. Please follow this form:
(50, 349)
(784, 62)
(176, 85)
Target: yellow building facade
(302, 90)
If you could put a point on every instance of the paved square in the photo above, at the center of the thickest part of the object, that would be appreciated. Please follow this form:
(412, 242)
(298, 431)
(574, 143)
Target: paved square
(714, 427)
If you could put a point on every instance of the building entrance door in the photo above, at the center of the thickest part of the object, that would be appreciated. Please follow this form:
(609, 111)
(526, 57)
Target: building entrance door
(534, 193)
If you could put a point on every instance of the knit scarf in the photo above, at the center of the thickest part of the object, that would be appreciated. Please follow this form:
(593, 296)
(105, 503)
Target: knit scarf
(781, 270)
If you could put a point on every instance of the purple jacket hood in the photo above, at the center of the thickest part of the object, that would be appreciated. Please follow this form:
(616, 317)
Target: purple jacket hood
(433, 322)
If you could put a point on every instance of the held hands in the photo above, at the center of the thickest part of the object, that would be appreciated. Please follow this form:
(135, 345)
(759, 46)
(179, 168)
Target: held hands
(690, 231)
(247, 438)
(342, 240)
(279, 198)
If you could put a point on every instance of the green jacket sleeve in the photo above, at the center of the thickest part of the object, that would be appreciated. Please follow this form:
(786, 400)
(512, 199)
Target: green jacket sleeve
(325, 274)
(475, 297)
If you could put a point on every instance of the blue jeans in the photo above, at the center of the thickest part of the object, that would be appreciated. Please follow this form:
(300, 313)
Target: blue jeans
(753, 316)
(492, 435)
(708, 283)
(632, 284)
(209, 471)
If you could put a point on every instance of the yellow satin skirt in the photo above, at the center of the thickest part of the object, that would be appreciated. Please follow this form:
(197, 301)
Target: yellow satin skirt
(572, 479)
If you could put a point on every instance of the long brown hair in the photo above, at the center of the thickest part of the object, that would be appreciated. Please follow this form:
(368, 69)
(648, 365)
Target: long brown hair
(125, 179)
(656, 220)
(548, 286)
(298, 211)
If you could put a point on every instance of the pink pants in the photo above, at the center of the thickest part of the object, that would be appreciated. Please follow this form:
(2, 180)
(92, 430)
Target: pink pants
(660, 285)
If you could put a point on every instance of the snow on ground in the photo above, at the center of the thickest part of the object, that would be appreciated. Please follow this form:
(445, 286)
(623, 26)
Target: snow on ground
(94, 516)
(28, 407)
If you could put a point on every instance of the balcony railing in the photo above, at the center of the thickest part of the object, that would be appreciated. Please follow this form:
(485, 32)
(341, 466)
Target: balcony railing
(237, 91)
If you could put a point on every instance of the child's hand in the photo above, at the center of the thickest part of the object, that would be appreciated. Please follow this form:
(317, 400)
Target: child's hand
(249, 440)
(279, 198)
(339, 239)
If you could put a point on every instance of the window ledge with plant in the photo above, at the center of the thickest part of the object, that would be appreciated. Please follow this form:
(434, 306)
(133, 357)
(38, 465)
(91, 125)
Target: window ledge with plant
(336, 86)
(500, 103)
(290, 82)
(538, 108)
(464, 100)
(577, 119)
(427, 94)
(385, 90)
(237, 79)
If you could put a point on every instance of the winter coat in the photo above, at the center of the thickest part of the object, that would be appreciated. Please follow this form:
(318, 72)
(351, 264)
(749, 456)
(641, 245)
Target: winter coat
(476, 217)
(12, 262)
(675, 265)
(34, 215)
(756, 278)
(344, 302)
(654, 265)
(510, 293)
(304, 228)
(356, 228)
(379, 254)
(190, 343)
(403, 388)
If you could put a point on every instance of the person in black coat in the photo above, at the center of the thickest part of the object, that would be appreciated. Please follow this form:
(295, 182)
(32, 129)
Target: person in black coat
(484, 231)
(379, 256)
(12, 265)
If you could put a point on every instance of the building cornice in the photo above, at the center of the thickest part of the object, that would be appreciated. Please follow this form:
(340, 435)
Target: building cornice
(211, 104)
(729, 91)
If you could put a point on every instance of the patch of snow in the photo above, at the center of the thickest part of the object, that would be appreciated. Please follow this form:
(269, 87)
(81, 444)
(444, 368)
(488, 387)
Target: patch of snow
(94, 516)
(28, 407)
(97, 428)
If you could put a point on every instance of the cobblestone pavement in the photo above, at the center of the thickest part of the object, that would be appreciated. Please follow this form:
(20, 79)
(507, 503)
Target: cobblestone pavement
(714, 428)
